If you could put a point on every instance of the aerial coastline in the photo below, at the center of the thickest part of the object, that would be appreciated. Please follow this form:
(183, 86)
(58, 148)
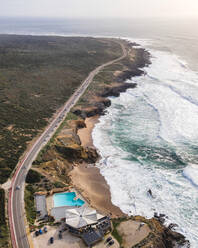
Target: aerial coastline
(88, 179)
(99, 124)
(69, 159)
(77, 134)
(85, 176)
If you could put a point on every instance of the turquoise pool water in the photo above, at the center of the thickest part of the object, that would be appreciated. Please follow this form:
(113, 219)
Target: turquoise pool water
(67, 199)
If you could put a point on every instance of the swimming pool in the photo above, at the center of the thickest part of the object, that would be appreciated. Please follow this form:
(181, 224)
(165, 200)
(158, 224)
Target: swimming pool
(67, 199)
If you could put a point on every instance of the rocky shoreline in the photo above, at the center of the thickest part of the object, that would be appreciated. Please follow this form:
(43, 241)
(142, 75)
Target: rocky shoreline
(163, 237)
(69, 150)
(142, 59)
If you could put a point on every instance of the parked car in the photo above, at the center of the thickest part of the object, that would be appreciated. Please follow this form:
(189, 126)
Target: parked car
(111, 243)
(51, 240)
(18, 187)
(37, 233)
(108, 239)
(45, 229)
(40, 231)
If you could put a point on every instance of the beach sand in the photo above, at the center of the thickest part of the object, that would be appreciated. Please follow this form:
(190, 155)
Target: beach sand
(85, 134)
(88, 179)
(94, 189)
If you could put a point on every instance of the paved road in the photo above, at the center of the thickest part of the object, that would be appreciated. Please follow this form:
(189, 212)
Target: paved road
(16, 211)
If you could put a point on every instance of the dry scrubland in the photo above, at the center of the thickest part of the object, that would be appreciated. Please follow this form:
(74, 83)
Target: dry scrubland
(66, 153)
(37, 75)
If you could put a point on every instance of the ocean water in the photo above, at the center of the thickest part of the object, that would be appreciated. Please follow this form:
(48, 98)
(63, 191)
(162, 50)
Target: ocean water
(148, 138)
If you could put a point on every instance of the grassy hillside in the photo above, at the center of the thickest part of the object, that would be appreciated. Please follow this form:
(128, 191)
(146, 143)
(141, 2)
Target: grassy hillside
(37, 75)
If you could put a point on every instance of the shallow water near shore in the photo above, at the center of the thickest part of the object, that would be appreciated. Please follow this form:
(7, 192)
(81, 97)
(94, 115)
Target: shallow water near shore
(149, 140)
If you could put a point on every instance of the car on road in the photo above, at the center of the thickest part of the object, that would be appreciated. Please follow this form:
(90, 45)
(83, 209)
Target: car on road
(18, 187)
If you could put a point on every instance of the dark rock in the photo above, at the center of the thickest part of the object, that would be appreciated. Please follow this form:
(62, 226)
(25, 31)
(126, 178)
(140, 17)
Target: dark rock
(115, 91)
(134, 72)
(162, 215)
(161, 220)
(150, 192)
(172, 225)
(78, 153)
(80, 113)
(156, 215)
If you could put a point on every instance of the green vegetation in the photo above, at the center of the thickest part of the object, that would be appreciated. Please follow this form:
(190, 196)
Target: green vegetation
(115, 233)
(29, 204)
(37, 75)
(70, 116)
(3, 225)
(33, 177)
(36, 182)
(39, 159)
(104, 78)
(59, 185)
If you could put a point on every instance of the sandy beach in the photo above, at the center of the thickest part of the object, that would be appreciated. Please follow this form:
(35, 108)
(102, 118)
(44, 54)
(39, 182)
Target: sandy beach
(88, 180)
(85, 134)
(94, 189)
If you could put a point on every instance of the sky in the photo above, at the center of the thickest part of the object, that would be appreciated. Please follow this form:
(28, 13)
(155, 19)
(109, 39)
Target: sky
(99, 8)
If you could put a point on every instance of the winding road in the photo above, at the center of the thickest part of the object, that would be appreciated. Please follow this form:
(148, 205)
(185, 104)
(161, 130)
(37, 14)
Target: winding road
(16, 210)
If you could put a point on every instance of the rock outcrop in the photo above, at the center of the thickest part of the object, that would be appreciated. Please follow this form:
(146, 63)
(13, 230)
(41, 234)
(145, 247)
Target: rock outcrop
(160, 236)
(68, 145)
(116, 90)
(67, 151)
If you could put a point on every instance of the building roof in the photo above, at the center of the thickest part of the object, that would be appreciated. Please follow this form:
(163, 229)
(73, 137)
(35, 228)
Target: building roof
(80, 217)
(92, 237)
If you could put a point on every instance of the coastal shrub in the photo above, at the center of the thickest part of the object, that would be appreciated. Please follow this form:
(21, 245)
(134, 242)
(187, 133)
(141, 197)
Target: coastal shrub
(59, 185)
(30, 204)
(115, 232)
(37, 76)
(33, 177)
(3, 225)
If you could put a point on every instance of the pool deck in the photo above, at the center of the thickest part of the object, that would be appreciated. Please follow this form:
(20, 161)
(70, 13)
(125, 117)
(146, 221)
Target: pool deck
(59, 212)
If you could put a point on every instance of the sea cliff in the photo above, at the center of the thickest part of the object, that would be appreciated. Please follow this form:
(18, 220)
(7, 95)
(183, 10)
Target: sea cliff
(71, 155)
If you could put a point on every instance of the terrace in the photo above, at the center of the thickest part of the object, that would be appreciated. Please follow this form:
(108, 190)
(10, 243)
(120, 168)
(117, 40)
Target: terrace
(57, 203)
(76, 217)
(92, 233)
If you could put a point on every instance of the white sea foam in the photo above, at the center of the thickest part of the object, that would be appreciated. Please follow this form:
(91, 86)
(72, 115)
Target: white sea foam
(148, 139)
(191, 172)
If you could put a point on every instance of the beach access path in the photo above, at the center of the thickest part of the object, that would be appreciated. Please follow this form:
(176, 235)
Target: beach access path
(16, 211)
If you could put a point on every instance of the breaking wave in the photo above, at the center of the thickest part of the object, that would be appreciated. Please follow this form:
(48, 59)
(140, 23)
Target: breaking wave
(149, 140)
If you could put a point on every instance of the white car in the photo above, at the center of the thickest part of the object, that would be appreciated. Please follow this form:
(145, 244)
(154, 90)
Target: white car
(18, 187)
